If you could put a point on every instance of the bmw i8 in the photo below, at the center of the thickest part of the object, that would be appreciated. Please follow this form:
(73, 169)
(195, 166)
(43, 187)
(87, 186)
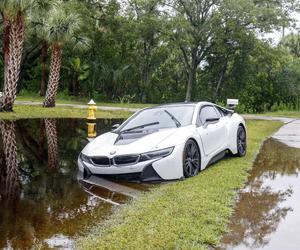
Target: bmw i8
(166, 142)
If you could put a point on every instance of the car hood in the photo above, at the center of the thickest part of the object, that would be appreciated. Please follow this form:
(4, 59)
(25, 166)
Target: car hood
(107, 143)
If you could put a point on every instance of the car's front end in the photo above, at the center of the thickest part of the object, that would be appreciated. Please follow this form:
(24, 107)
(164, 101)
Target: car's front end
(154, 165)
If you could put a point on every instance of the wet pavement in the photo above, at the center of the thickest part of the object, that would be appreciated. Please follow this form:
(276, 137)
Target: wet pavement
(80, 106)
(289, 134)
(267, 213)
(44, 203)
(268, 118)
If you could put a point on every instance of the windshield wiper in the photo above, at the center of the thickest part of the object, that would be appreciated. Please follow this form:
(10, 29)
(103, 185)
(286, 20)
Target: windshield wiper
(140, 126)
(178, 124)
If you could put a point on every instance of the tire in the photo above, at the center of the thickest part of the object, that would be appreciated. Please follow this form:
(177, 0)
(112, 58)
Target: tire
(241, 142)
(191, 159)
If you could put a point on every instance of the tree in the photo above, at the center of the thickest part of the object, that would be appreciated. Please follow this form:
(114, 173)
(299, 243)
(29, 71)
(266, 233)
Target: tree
(197, 22)
(39, 17)
(13, 12)
(60, 28)
(194, 24)
(11, 189)
(52, 139)
(79, 71)
(291, 43)
(147, 23)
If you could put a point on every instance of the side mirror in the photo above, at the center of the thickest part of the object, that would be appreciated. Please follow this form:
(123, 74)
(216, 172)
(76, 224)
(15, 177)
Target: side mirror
(115, 126)
(210, 120)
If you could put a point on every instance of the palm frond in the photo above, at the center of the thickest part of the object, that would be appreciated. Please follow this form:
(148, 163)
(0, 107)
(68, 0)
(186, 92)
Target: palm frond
(12, 8)
(61, 25)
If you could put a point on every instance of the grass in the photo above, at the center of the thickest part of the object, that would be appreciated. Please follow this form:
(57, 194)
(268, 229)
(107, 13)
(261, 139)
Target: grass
(189, 214)
(27, 111)
(70, 100)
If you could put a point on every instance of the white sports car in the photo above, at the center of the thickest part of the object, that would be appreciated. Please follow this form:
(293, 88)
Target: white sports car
(166, 142)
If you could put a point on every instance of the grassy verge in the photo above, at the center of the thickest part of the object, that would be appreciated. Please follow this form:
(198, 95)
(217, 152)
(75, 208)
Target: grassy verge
(26, 111)
(189, 214)
(60, 100)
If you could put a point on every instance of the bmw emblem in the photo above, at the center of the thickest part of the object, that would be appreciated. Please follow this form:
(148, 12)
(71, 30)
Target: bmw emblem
(113, 152)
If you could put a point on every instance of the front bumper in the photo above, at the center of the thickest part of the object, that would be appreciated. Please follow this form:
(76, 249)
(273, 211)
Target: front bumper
(167, 168)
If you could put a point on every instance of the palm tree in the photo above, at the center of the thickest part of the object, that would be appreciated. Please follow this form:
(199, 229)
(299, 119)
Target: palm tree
(38, 18)
(60, 28)
(11, 184)
(52, 140)
(13, 12)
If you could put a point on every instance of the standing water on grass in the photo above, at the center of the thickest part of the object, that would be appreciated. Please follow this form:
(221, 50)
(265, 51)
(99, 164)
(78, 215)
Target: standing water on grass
(42, 203)
(267, 214)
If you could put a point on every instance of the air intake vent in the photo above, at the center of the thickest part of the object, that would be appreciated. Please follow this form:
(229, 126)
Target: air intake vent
(101, 161)
(126, 159)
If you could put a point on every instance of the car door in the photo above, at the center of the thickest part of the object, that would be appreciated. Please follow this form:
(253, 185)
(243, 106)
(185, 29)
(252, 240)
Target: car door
(212, 129)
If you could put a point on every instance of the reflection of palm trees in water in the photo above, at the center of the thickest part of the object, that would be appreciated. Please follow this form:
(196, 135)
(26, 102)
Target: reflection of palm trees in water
(10, 186)
(51, 133)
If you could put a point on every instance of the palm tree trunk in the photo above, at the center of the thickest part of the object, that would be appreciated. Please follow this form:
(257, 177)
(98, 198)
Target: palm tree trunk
(54, 76)
(16, 41)
(52, 140)
(6, 32)
(11, 185)
(43, 65)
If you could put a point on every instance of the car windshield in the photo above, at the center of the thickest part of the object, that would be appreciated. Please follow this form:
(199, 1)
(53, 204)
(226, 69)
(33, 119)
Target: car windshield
(161, 117)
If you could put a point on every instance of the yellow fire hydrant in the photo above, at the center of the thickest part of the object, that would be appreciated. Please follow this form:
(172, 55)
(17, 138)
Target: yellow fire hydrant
(91, 119)
(92, 110)
(91, 130)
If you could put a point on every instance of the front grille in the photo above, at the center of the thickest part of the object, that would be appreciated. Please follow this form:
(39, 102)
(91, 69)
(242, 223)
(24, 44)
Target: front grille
(126, 159)
(101, 161)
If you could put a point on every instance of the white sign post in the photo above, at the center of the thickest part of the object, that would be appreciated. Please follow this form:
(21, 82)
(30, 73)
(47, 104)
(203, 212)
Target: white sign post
(232, 103)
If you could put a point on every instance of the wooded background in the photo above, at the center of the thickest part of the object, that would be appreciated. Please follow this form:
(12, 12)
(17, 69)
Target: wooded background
(155, 51)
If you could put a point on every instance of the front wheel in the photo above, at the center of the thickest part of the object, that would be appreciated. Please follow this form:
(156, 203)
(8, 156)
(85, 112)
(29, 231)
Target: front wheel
(191, 159)
(241, 141)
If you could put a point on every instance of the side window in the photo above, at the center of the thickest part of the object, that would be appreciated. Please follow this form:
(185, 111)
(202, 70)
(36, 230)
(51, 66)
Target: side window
(208, 112)
(220, 111)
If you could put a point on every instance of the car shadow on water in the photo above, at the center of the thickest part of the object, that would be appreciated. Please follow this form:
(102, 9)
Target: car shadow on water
(267, 213)
(43, 201)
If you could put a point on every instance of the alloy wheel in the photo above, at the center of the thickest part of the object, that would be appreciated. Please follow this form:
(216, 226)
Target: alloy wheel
(241, 141)
(191, 159)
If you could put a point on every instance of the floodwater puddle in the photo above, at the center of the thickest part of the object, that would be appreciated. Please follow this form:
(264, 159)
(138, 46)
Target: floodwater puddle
(267, 214)
(44, 202)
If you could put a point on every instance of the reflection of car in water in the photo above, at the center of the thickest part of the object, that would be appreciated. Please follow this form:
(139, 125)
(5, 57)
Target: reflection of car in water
(106, 190)
(166, 142)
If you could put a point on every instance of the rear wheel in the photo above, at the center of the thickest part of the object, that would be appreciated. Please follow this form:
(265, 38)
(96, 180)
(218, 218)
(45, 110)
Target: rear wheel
(191, 159)
(241, 141)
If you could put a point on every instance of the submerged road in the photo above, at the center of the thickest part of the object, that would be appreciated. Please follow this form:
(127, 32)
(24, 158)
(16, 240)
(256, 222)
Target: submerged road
(106, 108)
(267, 213)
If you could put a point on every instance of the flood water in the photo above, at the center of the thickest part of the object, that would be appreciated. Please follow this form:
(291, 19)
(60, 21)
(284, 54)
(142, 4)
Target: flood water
(267, 215)
(43, 201)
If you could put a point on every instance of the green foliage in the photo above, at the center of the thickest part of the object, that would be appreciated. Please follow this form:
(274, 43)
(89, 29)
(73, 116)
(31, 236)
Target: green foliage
(61, 24)
(143, 51)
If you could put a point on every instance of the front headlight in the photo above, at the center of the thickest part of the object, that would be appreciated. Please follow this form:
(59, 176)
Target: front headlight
(156, 154)
(84, 158)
